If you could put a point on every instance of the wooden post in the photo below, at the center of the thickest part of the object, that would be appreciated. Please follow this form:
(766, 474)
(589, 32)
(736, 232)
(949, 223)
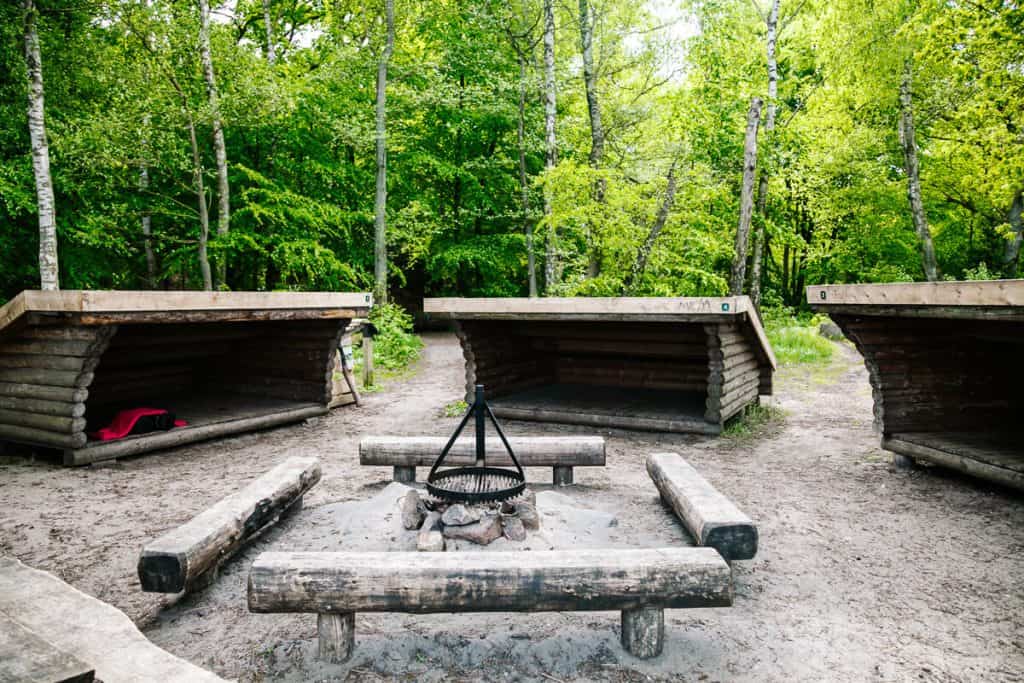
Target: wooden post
(562, 475)
(902, 462)
(367, 360)
(337, 636)
(643, 631)
(404, 474)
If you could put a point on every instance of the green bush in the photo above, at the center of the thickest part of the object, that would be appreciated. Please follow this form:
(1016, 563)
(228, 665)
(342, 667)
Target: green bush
(795, 338)
(395, 347)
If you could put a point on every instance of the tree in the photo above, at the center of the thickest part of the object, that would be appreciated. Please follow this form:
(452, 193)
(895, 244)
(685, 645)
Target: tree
(49, 270)
(644, 252)
(909, 143)
(380, 268)
(551, 267)
(771, 21)
(739, 262)
(219, 146)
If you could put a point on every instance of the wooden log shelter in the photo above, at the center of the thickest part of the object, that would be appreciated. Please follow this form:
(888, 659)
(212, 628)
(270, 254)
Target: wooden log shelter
(661, 364)
(224, 362)
(946, 364)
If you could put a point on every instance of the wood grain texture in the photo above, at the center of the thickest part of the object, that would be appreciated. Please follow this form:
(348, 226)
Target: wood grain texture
(643, 631)
(171, 563)
(532, 451)
(582, 579)
(25, 656)
(712, 519)
(999, 293)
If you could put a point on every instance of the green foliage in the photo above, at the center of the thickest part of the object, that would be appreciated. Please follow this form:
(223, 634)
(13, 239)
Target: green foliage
(455, 409)
(395, 347)
(755, 421)
(795, 338)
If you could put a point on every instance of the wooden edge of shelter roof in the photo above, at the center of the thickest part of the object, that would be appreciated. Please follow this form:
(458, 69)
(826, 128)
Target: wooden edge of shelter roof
(946, 366)
(683, 364)
(224, 362)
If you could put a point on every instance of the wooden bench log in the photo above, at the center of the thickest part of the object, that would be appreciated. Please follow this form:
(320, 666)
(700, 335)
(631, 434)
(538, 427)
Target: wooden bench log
(712, 518)
(406, 453)
(639, 582)
(177, 560)
(25, 656)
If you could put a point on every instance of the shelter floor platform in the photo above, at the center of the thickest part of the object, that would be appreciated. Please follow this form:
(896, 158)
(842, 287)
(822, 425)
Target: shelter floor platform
(608, 406)
(208, 416)
(998, 456)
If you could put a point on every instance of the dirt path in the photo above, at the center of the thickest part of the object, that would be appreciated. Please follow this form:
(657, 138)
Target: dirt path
(864, 573)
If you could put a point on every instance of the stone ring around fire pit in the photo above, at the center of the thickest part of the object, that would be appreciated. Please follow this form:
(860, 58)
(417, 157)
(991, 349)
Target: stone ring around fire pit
(640, 583)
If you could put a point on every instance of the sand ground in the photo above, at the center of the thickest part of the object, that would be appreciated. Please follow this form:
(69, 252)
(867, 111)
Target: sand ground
(864, 573)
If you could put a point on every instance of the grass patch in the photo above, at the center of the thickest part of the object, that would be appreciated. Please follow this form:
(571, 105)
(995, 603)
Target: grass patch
(456, 409)
(755, 421)
(795, 339)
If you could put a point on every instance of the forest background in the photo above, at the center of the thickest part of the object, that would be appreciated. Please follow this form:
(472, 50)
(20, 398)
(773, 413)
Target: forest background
(590, 147)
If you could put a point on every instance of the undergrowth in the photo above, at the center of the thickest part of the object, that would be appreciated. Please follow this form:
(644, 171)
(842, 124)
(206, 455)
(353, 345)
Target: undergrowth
(795, 338)
(395, 347)
(754, 421)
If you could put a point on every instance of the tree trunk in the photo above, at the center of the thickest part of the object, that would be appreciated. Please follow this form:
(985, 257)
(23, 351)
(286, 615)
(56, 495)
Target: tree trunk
(147, 230)
(219, 148)
(1011, 256)
(524, 187)
(739, 262)
(596, 127)
(271, 55)
(550, 143)
(204, 214)
(644, 252)
(380, 253)
(771, 24)
(909, 144)
(49, 270)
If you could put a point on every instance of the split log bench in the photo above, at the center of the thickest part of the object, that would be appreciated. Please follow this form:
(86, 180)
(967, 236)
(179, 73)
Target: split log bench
(188, 557)
(25, 656)
(641, 583)
(224, 362)
(658, 364)
(406, 453)
(711, 518)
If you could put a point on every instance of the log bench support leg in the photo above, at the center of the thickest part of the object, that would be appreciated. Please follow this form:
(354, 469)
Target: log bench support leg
(296, 506)
(562, 475)
(902, 462)
(643, 631)
(404, 474)
(337, 634)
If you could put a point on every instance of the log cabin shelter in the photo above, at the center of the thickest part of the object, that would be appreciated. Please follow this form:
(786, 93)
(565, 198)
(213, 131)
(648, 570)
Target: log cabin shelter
(658, 364)
(223, 362)
(946, 365)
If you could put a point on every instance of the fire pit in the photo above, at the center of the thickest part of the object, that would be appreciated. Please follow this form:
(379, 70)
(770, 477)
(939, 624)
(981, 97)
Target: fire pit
(478, 483)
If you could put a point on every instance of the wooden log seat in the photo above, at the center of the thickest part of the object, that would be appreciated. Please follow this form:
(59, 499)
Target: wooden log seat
(224, 362)
(944, 362)
(189, 556)
(406, 453)
(661, 364)
(639, 582)
(26, 656)
(711, 518)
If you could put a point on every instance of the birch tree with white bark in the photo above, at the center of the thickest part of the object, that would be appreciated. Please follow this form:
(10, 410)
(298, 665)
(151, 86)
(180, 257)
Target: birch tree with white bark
(49, 267)
(219, 147)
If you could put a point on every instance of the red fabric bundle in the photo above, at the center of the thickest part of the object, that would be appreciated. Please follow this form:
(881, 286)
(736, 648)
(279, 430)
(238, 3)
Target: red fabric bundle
(122, 424)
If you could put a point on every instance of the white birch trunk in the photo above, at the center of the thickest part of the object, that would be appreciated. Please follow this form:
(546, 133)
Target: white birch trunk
(380, 253)
(771, 24)
(909, 144)
(271, 55)
(204, 213)
(551, 268)
(596, 127)
(49, 269)
(147, 229)
(219, 147)
(1015, 217)
(739, 262)
(524, 183)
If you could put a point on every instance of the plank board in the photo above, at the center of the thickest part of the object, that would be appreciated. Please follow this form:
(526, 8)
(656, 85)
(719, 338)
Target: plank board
(978, 293)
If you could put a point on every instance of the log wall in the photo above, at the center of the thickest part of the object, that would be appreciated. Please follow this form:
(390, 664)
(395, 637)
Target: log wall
(941, 375)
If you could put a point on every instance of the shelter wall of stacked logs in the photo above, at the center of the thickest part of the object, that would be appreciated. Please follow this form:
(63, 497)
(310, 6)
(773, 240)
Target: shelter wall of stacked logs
(54, 370)
(719, 360)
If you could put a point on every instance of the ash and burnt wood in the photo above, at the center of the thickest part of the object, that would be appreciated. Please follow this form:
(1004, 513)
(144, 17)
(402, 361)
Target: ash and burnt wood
(176, 561)
(531, 367)
(576, 580)
(26, 656)
(712, 519)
